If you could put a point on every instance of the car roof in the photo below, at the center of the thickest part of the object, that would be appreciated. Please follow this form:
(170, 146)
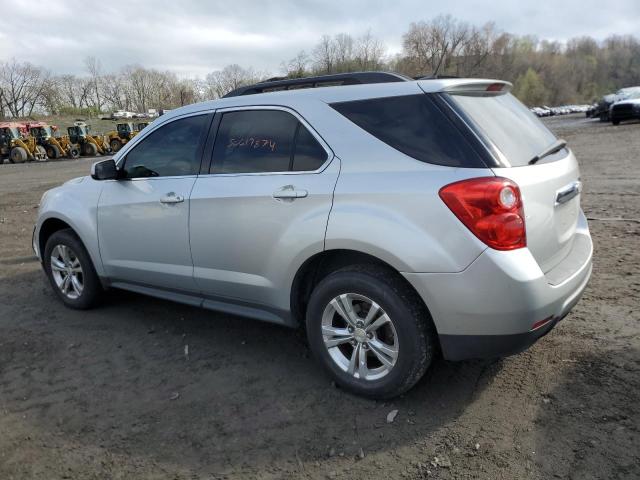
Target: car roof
(342, 93)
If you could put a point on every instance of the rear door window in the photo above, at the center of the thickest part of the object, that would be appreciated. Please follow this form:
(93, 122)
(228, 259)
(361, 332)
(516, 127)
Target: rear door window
(309, 154)
(264, 141)
(414, 125)
(515, 131)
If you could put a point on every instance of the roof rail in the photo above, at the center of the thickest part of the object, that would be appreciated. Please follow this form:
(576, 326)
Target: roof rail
(357, 78)
(435, 77)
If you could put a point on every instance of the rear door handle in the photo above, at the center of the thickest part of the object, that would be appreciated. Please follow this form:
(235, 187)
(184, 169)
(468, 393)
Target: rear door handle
(172, 198)
(288, 192)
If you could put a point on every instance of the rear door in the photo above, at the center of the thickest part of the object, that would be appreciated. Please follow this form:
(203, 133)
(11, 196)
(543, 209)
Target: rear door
(263, 206)
(550, 187)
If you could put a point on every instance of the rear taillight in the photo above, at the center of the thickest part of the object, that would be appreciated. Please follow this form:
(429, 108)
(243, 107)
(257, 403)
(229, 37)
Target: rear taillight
(491, 207)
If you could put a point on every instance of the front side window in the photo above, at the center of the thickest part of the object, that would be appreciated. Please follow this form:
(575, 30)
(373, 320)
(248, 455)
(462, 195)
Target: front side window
(261, 141)
(171, 150)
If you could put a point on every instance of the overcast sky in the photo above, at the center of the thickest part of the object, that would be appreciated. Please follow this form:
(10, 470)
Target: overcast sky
(193, 37)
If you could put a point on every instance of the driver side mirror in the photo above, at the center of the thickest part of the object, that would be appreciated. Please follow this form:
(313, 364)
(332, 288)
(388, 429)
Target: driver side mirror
(105, 170)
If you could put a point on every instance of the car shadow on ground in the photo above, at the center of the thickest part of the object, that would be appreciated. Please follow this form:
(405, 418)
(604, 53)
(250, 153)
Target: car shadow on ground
(146, 377)
(589, 424)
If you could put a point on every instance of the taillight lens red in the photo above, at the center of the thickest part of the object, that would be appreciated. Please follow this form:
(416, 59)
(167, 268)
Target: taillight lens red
(491, 207)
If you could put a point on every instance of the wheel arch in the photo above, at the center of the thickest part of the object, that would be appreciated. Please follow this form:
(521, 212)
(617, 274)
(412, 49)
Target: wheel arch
(55, 223)
(317, 267)
(49, 227)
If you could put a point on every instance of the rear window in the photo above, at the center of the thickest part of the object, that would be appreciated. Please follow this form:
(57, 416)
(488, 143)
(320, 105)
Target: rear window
(515, 131)
(414, 125)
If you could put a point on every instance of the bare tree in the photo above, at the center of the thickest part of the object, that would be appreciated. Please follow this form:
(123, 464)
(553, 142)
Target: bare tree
(22, 86)
(369, 52)
(297, 66)
(324, 55)
(94, 69)
(221, 82)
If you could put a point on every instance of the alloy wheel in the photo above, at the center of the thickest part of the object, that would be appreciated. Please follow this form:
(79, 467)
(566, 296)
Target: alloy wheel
(67, 271)
(359, 336)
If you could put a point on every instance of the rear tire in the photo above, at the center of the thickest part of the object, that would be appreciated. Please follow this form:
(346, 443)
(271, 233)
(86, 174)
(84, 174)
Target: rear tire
(115, 145)
(18, 155)
(70, 260)
(53, 152)
(407, 340)
(74, 152)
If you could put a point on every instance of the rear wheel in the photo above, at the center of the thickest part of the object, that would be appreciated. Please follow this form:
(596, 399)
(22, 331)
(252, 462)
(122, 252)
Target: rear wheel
(115, 145)
(70, 270)
(615, 122)
(18, 155)
(370, 330)
(53, 152)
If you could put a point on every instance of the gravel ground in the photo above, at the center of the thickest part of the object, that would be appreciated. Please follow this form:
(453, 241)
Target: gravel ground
(141, 388)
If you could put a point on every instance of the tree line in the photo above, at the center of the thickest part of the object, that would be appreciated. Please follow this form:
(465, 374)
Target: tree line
(542, 71)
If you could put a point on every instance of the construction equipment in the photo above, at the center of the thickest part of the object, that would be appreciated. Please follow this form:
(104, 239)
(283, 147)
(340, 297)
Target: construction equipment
(55, 147)
(140, 125)
(121, 135)
(17, 145)
(89, 145)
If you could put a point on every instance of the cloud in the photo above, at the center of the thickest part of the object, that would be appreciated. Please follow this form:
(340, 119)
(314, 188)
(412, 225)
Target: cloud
(192, 37)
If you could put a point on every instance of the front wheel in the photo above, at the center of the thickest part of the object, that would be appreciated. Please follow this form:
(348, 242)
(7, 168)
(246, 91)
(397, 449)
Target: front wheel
(70, 270)
(370, 330)
(18, 155)
(115, 145)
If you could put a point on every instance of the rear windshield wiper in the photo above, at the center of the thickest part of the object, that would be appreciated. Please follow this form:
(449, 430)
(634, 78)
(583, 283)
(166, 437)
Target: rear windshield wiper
(551, 149)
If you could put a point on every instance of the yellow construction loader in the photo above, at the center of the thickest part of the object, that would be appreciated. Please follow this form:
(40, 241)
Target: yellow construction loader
(89, 145)
(121, 135)
(17, 145)
(55, 147)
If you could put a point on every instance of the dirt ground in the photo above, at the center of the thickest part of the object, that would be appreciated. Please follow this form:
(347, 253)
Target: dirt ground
(112, 393)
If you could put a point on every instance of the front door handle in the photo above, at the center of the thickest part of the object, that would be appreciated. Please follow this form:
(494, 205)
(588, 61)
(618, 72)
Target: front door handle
(172, 198)
(289, 192)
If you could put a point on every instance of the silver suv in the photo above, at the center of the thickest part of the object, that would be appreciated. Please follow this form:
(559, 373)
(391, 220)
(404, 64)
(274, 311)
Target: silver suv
(394, 221)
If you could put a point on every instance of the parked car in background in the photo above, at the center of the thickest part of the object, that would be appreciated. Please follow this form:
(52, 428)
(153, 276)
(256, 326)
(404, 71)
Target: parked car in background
(394, 219)
(120, 114)
(603, 108)
(628, 109)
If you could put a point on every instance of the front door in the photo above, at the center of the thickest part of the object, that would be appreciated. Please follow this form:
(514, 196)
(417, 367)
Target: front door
(143, 219)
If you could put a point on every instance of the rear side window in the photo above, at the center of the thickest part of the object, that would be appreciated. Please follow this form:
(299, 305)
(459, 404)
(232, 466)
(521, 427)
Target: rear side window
(515, 131)
(261, 141)
(414, 125)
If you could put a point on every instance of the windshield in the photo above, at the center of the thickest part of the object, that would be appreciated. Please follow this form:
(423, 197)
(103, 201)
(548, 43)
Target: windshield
(516, 132)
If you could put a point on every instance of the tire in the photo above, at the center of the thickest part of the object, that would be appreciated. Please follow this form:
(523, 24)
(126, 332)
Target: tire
(18, 155)
(615, 122)
(53, 152)
(115, 145)
(409, 333)
(85, 291)
(90, 150)
(74, 152)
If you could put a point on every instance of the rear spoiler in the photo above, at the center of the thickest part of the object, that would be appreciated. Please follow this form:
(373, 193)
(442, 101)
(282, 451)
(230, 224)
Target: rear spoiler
(478, 87)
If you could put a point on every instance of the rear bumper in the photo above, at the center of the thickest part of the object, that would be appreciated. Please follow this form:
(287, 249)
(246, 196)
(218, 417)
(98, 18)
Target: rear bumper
(491, 308)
